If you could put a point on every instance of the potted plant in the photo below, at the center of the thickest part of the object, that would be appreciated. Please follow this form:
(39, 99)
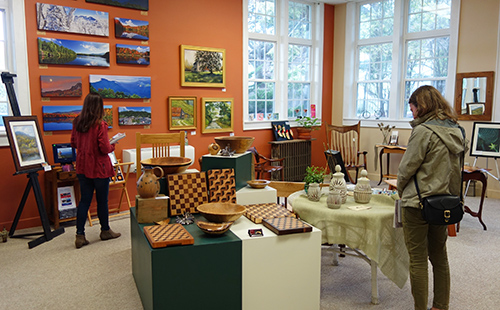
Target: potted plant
(313, 175)
(306, 125)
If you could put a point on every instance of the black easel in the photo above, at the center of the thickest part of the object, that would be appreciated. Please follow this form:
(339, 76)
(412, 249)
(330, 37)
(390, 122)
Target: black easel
(7, 79)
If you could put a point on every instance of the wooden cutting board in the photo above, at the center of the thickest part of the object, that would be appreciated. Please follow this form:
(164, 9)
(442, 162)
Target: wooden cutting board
(160, 236)
(257, 212)
(286, 225)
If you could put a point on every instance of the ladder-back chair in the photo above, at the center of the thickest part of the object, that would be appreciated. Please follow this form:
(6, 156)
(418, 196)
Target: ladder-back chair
(160, 144)
(263, 165)
(345, 139)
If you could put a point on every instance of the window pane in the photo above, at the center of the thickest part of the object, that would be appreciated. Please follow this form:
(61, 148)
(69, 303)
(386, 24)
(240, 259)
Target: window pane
(429, 15)
(411, 86)
(261, 60)
(299, 20)
(373, 100)
(298, 62)
(427, 58)
(376, 19)
(262, 16)
(260, 99)
(375, 62)
(299, 99)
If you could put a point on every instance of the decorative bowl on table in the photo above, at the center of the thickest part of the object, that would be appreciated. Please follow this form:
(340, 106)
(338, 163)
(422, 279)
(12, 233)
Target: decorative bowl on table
(237, 144)
(170, 165)
(258, 183)
(213, 228)
(221, 212)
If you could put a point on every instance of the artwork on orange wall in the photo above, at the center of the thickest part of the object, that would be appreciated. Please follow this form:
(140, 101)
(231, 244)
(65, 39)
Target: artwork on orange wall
(121, 87)
(181, 113)
(70, 52)
(132, 54)
(217, 115)
(67, 19)
(56, 118)
(134, 115)
(127, 28)
(61, 86)
(131, 4)
(203, 66)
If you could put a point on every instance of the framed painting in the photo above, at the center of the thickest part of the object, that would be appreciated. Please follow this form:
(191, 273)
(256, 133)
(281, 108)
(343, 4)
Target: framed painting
(61, 86)
(127, 28)
(134, 115)
(182, 113)
(70, 52)
(57, 118)
(131, 4)
(60, 18)
(203, 66)
(485, 140)
(25, 140)
(476, 108)
(132, 54)
(217, 115)
(121, 87)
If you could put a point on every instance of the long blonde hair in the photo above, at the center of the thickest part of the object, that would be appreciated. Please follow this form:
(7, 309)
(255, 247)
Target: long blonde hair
(428, 99)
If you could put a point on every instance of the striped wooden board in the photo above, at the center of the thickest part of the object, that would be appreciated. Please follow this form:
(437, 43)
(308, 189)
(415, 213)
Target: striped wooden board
(257, 212)
(286, 225)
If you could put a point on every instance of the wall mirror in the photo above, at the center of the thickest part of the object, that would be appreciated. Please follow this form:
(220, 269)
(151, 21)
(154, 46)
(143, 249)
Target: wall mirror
(474, 95)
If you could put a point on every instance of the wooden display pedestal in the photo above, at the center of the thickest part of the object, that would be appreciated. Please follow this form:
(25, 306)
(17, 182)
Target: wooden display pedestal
(241, 163)
(150, 210)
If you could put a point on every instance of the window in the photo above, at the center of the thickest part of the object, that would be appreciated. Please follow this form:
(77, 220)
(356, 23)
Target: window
(395, 46)
(13, 59)
(282, 54)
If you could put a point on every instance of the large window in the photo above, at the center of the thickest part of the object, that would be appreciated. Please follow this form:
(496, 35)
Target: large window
(282, 57)
(395, 46)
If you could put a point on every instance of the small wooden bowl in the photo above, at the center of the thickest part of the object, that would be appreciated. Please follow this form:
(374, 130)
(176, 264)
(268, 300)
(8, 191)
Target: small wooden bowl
(213, 228)
(258, 183)
(221, 212)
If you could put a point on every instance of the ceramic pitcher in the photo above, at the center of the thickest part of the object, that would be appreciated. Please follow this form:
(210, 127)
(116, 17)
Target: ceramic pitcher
(148, 185)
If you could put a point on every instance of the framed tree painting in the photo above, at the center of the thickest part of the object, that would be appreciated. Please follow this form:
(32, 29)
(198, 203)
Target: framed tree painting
(25, 140)
(485, 139)
(203, 66)
(217, 115)
(182, 113)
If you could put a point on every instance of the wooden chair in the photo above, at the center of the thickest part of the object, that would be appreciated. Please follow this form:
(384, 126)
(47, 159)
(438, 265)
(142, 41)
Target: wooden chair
(345, 139)
(263, 164)
(160, 143)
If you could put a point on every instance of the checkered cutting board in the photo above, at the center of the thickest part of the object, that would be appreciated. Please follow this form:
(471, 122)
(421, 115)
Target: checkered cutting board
(187, 191)
(256, 213)
(286, 225)
(160, 236)
(221, 185)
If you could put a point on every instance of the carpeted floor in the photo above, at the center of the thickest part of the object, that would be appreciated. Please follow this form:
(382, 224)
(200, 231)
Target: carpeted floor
(55, 275)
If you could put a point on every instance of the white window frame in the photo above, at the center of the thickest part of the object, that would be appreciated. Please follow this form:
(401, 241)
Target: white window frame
(17, 56)
(399, 39)
(281, 61)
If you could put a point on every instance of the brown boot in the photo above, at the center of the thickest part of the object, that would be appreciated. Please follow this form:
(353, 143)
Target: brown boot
(81, 241)
(109, 234)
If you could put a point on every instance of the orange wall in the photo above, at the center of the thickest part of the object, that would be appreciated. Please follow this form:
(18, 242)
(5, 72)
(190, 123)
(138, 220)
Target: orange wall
(214, 23)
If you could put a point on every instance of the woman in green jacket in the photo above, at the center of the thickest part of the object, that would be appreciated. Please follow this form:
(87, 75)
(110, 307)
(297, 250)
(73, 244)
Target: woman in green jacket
(433, 156)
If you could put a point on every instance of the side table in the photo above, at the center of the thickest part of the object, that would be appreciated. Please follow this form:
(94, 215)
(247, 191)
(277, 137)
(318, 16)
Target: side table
(388, 150)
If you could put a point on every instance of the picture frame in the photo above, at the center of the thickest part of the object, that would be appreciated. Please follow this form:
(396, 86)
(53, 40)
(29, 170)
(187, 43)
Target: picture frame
(208, 71)
(132, 54)
(282, 130)
(26, 143)
(217, 115)
(182, 113)
(134, 116)
(71, 52)
(485, 140)
(142, 5)
(59, 118)
(476, 108)
(60, 86)
(127, 28)
(121, 87)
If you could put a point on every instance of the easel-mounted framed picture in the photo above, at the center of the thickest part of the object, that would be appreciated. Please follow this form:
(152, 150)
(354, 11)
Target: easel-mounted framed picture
(26, 143)
(203, 66)
(485, 140)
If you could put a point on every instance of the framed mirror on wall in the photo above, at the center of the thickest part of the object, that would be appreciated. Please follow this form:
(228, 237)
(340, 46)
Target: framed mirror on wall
(474, 95)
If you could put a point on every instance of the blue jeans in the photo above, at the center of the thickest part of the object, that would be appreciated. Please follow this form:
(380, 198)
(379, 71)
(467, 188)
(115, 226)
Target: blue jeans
(87, 187)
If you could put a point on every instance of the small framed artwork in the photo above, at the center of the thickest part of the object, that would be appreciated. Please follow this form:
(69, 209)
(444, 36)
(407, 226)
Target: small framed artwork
(71, 52)
(203, 66)
(61, 86)
(127, 28)
(282, 131)
(134, 115)
(132, 54)
(394, 138)
(25, 140)
(136, 4)
(217, 115)
(182, 113)
(476, 108)
(485, 139)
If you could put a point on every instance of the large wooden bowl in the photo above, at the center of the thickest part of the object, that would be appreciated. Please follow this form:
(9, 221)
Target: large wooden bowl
(236, 143)
(170, 165)
(221, 212)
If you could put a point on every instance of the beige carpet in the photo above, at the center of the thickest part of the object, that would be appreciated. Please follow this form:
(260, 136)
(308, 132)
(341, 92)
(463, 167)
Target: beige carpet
(55, 275)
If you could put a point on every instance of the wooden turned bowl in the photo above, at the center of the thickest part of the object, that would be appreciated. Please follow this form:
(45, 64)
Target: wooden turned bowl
(237, 144)
(221, 212)
(170, 165)
(258, 183)
(213, 228)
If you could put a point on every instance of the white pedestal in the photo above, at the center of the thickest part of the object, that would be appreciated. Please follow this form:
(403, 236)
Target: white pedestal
(279, 272)
(248, 195)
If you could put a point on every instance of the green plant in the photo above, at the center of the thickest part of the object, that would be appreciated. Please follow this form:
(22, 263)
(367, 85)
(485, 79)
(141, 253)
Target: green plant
(314, 175)
(308, 122)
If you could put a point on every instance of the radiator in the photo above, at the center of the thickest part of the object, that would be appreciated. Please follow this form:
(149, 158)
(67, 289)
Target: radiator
(129, 154)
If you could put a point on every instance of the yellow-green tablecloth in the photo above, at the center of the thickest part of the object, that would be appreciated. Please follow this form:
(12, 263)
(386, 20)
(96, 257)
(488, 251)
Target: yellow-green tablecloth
(370, 231)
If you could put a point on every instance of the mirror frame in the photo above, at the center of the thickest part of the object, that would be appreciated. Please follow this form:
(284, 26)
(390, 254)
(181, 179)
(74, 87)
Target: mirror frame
(488, 104)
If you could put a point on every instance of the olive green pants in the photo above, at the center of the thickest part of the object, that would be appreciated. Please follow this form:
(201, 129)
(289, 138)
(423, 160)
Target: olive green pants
(424, 242)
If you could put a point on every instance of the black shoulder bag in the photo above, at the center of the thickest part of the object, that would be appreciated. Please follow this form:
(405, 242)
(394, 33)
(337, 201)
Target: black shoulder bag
(442, 209)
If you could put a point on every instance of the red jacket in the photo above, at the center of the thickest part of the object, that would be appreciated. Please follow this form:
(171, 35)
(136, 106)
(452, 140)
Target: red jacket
(92, 150)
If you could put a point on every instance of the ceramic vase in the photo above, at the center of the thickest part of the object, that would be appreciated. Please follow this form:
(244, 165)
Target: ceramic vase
(314, 192)
(334, 200)
(338, 183)
(148, 185)
(363, 190)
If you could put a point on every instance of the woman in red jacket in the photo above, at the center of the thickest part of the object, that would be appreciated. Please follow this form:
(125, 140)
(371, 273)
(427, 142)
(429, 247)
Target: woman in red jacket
(93, 166)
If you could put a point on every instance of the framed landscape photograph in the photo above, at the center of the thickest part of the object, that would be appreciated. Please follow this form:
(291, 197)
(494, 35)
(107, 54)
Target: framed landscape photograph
(475, 108)
(127, 28)
(203, 66)
(131, 4)
(121, 87)
(70, 52)
(132, 54)
(182, 113)
(57, 118)
(217, 115)
(61, 86)
(485, 139)
(25, 140)
(134, 115)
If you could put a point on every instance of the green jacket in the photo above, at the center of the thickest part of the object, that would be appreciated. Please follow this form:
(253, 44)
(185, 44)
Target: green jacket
(434, 155)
